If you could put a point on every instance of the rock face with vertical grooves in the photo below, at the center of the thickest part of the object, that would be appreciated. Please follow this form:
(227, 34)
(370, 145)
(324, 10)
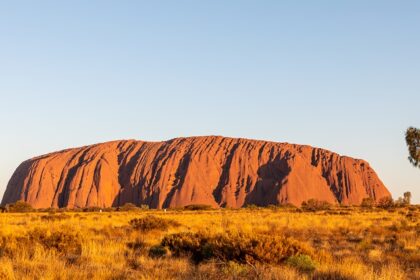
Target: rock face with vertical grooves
(213, 170)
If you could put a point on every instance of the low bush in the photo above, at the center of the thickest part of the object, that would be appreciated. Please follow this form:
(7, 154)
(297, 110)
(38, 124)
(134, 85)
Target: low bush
(237, 270)
(315, 205)
(20, 207)
(92, 209)
(239, 247)
(139, 247)
(128, 207)
(281, 207)
(368, 203)
(50, 210)
(151, 222)
(287, 206)
(302, 262)
(386, 203)
(158, 251)
(64, 243)
(252, 207)
(197, 207)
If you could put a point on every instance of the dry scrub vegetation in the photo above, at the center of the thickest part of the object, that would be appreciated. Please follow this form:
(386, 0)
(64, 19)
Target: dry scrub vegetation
(251, 243)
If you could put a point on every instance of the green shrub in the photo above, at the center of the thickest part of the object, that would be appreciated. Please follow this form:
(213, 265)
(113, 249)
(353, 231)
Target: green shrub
(150, 223)
(144, 207)
(241, 248)
(236, 270)
(302, 262)
(20, 207)
(386, 202)
(128, 207)
(197, 207)
(315, 205)
(158, 251)
(367, 202)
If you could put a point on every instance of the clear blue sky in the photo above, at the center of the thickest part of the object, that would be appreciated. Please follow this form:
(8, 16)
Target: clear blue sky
(342, 75)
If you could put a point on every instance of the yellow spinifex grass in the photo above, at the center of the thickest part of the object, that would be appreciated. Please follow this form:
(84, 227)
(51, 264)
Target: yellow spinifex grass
(346, 243)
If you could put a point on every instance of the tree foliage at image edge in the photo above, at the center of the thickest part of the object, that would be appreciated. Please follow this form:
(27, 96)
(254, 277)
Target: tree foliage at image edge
(412, 138)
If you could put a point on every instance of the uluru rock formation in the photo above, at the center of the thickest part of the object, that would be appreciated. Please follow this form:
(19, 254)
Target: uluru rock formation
(213, 170)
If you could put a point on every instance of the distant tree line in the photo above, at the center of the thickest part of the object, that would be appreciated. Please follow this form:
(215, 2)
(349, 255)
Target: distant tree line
(387, 202)
(311, 205)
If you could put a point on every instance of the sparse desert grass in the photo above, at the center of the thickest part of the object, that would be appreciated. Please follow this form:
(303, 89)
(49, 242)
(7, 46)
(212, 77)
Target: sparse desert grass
(239, 247)
(271, 243)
